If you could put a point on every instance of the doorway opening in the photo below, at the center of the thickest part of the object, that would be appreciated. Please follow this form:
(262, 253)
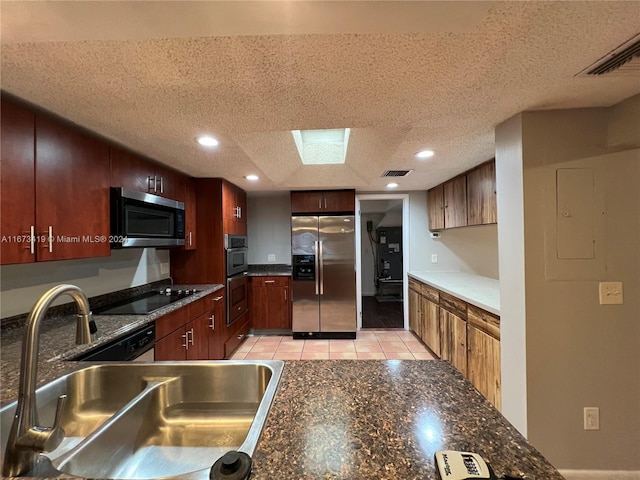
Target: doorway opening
(381, 233)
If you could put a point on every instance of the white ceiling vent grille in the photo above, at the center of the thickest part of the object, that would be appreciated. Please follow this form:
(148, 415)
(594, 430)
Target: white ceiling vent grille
(396, 173)
(622, 61)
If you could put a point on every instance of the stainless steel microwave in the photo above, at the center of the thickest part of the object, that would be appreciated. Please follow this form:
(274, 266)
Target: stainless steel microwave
(140, 219)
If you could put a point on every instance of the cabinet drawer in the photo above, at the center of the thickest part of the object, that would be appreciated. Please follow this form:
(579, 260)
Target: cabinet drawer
(171, 321)
(453, 305)
(236, 339)
(200, 306)
(431, 293)
(415, 285)
(276, 281)
(485, 321)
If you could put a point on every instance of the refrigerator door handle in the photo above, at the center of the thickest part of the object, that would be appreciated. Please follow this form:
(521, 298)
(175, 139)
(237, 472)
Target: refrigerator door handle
(321, 281)
(317, 259)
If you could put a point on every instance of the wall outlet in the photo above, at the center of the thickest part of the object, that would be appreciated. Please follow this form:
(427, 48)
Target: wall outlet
(591, 418)
(434, 258)
(164, 267)
(610, 293)
(271, 257)
(435, 234)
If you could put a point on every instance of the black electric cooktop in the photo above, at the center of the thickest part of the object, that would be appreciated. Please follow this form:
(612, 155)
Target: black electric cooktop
(144, 303)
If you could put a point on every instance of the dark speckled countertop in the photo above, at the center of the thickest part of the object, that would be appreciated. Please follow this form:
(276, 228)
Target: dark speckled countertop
(57, 342)
(369, 419)
(268, 270)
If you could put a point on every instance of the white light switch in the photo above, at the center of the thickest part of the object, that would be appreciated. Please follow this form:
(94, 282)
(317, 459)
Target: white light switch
(434, 258)
(271, 257)
(610, 293)
(164, 267)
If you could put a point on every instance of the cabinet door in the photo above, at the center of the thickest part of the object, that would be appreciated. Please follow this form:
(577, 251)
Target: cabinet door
(415, 312)
(453, 347)
(435, 207)
(17, 187)
(190, 214)
(241, 201)
(455, 202)
(484, 365)
(481, 195)
(431, 333)
(217, 327)
(260, 307)
(279, 316)
(131, 171)
(198, 332)
(170, 183)
(171, 347)
(335, 201)
(306, 202)
(72, 192)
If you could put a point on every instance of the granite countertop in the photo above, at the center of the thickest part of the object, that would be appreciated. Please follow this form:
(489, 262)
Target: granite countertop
(383, 419)
(365, 419)
(269, 270)
(483, 292)
(57, 341)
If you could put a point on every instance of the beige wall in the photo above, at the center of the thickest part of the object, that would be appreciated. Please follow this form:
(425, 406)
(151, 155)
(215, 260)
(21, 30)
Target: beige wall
(21, 285)
(579, 353)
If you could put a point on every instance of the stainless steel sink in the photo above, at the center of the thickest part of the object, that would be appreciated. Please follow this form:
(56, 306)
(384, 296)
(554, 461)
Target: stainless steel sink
(154, 420)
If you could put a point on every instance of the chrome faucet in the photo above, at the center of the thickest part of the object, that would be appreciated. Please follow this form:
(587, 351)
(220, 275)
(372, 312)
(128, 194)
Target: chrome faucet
(27, 439)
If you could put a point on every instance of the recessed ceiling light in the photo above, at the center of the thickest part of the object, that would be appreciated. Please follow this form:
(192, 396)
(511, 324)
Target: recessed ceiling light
(252, 178)
(425, 154)
(207, 141)
(392, 185)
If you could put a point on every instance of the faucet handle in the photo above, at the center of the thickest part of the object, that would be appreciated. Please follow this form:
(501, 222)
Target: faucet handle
(56, 432)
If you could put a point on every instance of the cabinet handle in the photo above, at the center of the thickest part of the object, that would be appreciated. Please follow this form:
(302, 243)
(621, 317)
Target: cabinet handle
(269, 281)
(319, 203)
(325, 203)
(212, 326)
(285, 294)
(50, 237)
(32, 240)
(241, 336)
(217, 299)
(190, 239)
(190, 331)
(161, 184)
(239, 212)
(239, 308)
(186, 341)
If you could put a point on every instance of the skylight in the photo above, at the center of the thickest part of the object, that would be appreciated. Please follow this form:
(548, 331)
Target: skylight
(322, 147)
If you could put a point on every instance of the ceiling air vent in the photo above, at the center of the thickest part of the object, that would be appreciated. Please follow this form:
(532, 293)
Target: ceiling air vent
(622, 61)
(396, 173)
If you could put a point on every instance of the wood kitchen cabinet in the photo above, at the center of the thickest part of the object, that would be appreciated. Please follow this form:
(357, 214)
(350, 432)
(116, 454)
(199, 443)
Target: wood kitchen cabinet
(323, 201)
(270, 302)
(481, 195)
(431, 318)
(455, 202)
(453, 341)
(416, 320)
(190, 206)
(234, 209)
(484, 364)
(17, 183)
(48, 167)
(435, 207)
(132, 171)
(193, 332)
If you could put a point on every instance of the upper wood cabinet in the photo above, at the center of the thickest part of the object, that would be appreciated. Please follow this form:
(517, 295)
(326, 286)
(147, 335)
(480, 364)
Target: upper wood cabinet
(455, 202)
(481, 195)
(468, 199)
(48, 167)
(435, 207)
(135, 172)
(190, 214)
(234, 209)
(17, 184)
(327, 201)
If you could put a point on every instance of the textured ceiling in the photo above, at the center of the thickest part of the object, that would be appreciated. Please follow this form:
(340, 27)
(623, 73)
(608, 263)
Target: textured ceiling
(403, 76)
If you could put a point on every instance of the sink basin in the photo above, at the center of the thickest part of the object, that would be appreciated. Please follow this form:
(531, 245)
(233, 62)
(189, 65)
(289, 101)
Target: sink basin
(154, 420)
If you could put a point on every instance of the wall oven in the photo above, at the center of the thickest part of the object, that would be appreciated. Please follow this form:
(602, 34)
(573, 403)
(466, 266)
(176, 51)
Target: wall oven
(237, 254)
(237, 281)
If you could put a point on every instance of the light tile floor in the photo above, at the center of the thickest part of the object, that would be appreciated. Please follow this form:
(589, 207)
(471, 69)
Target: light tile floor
(368, 345)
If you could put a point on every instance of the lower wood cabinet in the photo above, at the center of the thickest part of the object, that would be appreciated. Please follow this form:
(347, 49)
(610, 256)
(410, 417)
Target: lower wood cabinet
(270, 302)
(237, 332)
(193, 332)
(461, 333)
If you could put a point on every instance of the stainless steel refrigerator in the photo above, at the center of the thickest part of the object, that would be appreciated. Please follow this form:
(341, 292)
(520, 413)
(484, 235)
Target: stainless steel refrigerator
(324, 277)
